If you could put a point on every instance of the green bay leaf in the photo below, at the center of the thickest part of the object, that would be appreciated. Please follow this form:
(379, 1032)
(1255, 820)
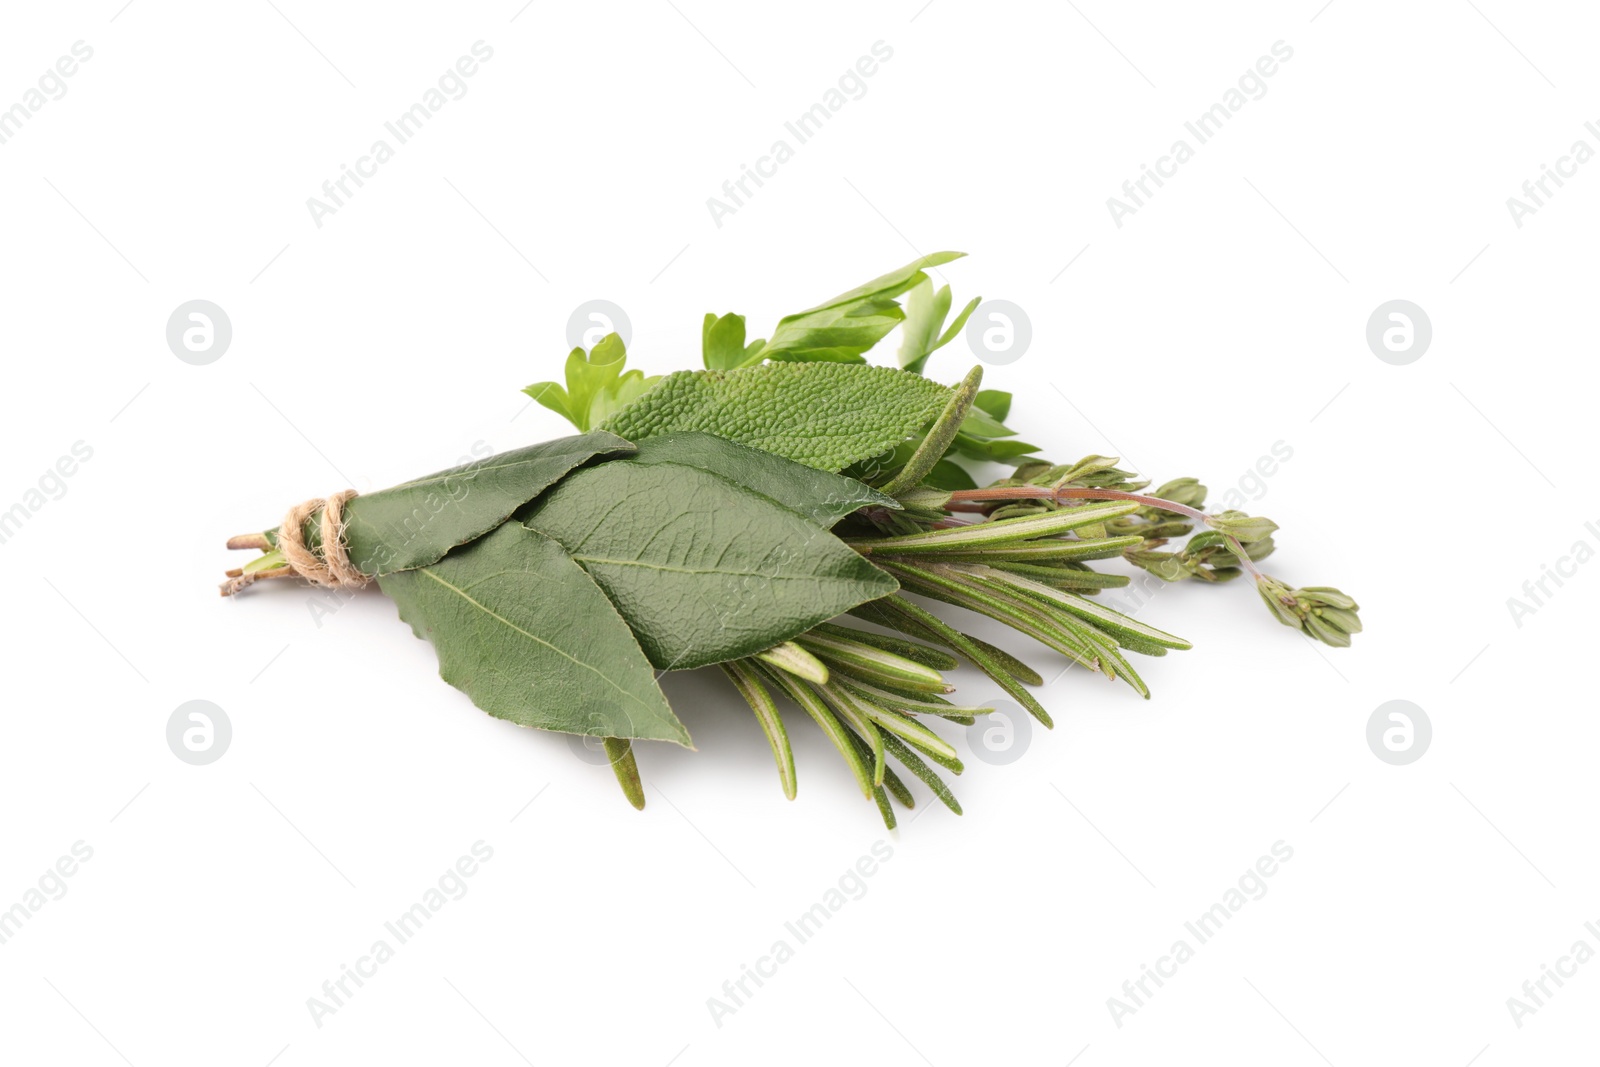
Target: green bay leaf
(703, 570)
(821, 496)
(415, 523)
(825, 415)
(528, 635)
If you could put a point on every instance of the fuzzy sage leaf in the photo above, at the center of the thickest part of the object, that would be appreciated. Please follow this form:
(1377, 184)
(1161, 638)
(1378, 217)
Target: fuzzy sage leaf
(937, 442)
(825, 415)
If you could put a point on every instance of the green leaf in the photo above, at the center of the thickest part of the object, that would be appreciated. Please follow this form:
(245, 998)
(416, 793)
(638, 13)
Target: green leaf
(925, 312)
(943, 432)
(1112, 622)
(1242, 526)
(620, 752)
(807, 696)
(748, 682)
(877, 664)
(589, 374)
(840, 329)
(980, 535)
(792, 659)
(821, 414)
(528, 635)
(1069, 577)
(949, 475)
(929, 776)
(889, 784)
(1045, 550)
(624, 391)
(854, 716)
(926, 655)
(895, 787)
(979, 423)
(270, 560)
(722, 341)
(596, 386)
(956, 323)
(912, 731)
(994, 451)
(552, 396)
(415, 523)
(821, 496)
(964, 589)
(900, 613)
(703, 570)
(911, 704)
(996, 403)
(983, 429)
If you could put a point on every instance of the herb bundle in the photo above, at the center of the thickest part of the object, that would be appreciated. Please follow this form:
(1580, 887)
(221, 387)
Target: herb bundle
(749, 515)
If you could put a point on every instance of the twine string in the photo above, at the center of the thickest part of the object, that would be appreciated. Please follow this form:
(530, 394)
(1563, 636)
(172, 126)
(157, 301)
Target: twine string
(332, 567)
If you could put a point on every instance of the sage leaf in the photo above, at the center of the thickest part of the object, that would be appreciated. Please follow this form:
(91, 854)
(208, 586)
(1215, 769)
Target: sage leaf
(821, 496)
(825, 415)
(944, 431)
(703, 570)
(528, 635)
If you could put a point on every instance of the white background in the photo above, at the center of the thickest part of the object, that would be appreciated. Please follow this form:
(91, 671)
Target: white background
(1227, 315)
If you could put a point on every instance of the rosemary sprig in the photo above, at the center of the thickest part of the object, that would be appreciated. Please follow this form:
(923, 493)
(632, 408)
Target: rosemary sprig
(1233, 541)
(1018, 551)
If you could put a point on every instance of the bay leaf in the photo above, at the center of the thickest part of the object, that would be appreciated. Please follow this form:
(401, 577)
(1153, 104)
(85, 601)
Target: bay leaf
(703, 570)
(415, 523)
(528, 635)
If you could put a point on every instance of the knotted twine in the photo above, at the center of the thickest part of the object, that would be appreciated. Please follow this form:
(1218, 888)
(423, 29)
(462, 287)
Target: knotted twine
(333, 567)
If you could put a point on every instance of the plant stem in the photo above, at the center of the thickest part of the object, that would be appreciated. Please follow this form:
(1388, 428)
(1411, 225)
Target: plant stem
(975, 499)
(1071, 492)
